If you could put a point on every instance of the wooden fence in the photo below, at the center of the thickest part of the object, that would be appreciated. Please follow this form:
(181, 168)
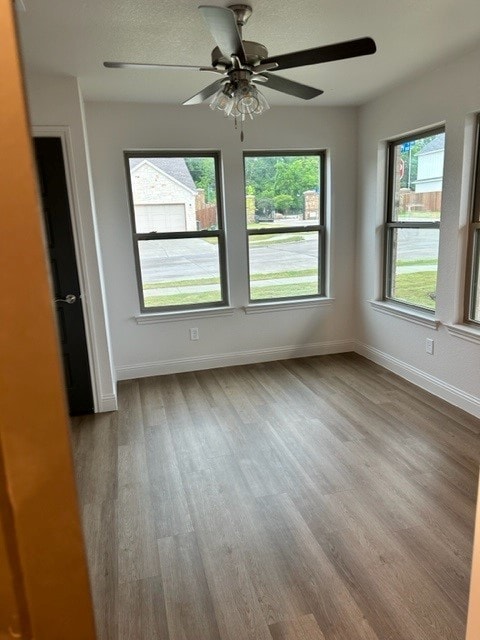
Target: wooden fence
(207, 216)
(412, 201)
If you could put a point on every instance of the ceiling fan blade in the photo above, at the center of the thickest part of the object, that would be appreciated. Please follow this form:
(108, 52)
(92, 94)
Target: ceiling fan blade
(141, 65)
(328, 53)
(205, 93)
(288, 86)
(222, 23)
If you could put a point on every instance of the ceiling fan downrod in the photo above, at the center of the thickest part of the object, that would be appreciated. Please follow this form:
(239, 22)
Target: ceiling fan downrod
(242, 13)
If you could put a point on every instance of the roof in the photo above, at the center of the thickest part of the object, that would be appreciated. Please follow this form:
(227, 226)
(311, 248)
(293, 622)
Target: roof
(174, 167)
(437, 144)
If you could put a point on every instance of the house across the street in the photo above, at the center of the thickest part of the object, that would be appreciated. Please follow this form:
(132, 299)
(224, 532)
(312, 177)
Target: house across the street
(164, 194)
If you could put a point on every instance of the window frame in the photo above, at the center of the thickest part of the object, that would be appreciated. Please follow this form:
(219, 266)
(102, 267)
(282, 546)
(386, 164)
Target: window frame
(320, 228)
(473, 251)
(218, 233)
(390, 225)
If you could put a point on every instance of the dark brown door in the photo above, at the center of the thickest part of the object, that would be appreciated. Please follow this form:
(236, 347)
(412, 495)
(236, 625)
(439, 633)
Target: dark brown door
(71, 327)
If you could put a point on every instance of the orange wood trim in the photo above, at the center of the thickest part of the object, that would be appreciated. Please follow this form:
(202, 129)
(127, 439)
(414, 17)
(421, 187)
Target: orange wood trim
(39, 516)
(473, 620)
(14, 618)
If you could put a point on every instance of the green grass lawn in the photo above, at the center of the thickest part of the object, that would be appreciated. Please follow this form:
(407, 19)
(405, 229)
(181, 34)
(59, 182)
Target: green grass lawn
(415, 288)
(418, 215)
(418, 262)
(193, 282)
(283, 290)
(268, 238)
(287, 290)
(275, 238)
(202, 297)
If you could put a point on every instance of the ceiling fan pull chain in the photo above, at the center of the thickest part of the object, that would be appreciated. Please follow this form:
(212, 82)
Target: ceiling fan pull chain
(242, 137)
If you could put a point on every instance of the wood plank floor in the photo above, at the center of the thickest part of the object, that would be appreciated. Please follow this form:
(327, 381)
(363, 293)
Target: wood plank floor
(311, 499)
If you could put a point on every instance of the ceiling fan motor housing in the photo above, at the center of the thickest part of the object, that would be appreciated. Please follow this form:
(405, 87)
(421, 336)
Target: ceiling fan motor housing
(254, 52)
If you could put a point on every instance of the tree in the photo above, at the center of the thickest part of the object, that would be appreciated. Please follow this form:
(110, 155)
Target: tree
(282, 179)
(258, 175)
(294, 175)
(410, 159)
(202, 171)
(283, 202)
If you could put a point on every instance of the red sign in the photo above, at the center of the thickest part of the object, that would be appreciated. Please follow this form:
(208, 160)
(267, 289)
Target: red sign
(400, 168)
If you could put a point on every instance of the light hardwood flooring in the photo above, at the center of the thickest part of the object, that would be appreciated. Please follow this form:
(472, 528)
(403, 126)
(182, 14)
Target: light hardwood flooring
(311, 499)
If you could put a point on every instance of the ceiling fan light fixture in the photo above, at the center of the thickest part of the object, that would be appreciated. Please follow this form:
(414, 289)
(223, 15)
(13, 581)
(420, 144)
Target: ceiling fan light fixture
(247, 100)
(220, 100)
(262, 103)
(239, 100)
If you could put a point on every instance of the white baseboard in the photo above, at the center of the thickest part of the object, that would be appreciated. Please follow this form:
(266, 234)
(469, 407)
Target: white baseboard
(197, 363)
(430, 383)
(107, 403)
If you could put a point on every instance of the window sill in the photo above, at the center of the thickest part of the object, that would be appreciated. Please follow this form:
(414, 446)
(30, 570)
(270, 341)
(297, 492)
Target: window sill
(464, 332)
(168, 316)
(265, 307)
(416, 317)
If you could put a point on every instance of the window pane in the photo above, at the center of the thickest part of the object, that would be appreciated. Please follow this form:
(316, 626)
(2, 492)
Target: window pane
(282, 190)
(180, 272)
(283, 265)
(173, 193)
(475, 309)
(418, 178)
(414, 266)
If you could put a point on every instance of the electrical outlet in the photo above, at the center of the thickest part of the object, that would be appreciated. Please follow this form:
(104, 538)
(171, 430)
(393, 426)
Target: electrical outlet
(194, 334)
(429, 346)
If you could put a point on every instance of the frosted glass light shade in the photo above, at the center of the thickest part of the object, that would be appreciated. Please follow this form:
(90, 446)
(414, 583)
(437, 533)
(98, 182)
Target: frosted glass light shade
(239, 101)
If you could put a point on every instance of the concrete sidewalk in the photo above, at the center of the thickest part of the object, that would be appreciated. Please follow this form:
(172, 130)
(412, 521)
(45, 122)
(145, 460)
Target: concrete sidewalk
(255, 284)
(167, 291)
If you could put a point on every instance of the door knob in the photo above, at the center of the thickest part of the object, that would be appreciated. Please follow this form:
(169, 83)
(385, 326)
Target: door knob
(69, 299)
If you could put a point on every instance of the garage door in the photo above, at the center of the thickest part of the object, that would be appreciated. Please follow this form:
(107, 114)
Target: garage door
(160, 217)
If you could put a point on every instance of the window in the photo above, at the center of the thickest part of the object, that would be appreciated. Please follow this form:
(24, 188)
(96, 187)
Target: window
(285, 194)
(177, 230)
(414, 199)
(473, 283)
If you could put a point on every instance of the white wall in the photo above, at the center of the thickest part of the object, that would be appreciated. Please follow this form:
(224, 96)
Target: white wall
(449, 95)
(239, 337)
(55, 105)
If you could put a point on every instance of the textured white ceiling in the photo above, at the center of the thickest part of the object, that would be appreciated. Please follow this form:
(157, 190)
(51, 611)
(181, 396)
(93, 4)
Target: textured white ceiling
(74, 37)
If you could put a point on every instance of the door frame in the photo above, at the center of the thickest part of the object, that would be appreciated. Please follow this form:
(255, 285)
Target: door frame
(63, 132)
(43, 567)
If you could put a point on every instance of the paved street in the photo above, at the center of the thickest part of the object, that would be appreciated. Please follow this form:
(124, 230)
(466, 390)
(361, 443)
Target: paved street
(195, 258)
(415, 244)
(164, 260)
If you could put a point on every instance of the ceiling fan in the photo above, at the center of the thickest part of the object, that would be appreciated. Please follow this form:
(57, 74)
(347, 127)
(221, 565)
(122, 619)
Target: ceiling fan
(244, 64)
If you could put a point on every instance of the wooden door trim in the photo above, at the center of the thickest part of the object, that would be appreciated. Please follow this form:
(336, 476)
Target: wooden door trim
(39, 515)
(473, 619)
(64, 133)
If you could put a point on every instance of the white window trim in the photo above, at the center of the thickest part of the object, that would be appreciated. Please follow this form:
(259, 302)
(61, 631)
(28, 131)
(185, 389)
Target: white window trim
(287, 305)
(464, 332)
(404, 313)
(169, 316)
